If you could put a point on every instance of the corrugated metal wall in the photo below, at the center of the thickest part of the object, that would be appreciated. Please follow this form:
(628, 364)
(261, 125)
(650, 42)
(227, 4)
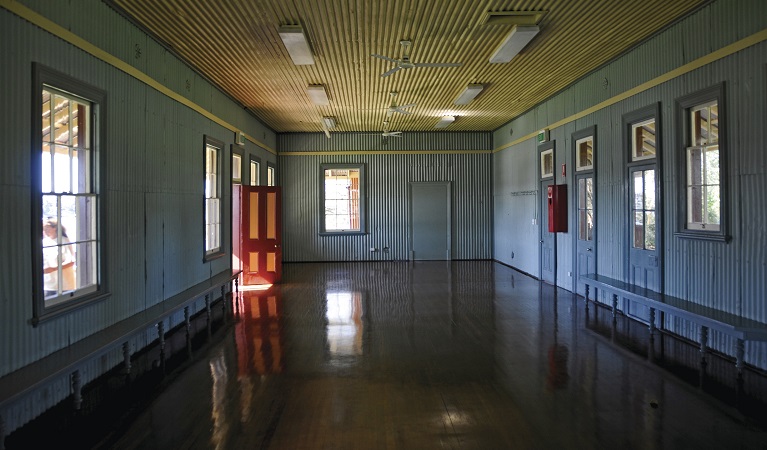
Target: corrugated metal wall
(388, 178)
(152, 185)
(726, 276)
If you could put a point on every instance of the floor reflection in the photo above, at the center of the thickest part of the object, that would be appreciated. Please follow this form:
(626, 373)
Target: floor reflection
(258, 332)
(433, 355)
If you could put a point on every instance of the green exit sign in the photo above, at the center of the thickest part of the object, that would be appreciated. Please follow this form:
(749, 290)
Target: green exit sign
(543, 135)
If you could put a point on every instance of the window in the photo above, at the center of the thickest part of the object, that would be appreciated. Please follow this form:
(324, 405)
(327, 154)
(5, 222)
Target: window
(643, 140)
(584, 153)
(271, 176)
(547, 163)
(343, 199)
(701, 127)
(67, 241)
(583, 150)
(213, 213)
(255, 171)
(643, 209)
(236, 168)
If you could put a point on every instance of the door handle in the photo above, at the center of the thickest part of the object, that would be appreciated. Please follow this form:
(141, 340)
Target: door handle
(588, 249)
(541, 241)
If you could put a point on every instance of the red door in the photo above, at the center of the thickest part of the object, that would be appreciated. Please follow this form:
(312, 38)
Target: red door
(258, 248)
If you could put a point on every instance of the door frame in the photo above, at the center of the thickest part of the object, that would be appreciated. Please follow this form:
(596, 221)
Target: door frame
(580, 134)
(448, 201)
(652, 111)
(542, 147)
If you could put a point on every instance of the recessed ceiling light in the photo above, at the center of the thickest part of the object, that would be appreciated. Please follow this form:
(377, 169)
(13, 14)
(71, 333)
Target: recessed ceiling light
(295, 42)
(514, 43)
(318, 95)
(445, 121)
(469, 94)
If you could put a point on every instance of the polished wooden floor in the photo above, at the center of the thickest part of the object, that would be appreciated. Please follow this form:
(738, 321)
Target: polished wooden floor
(463, 355)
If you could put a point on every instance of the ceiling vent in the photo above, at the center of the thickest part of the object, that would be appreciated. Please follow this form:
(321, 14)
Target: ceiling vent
(522, 18)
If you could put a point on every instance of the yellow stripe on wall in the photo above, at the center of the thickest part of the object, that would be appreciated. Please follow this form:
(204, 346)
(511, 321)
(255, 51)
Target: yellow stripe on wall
(689, 67)
(58, 31)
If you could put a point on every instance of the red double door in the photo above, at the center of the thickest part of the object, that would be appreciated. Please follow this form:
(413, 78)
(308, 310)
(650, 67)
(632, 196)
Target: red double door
(257, 233)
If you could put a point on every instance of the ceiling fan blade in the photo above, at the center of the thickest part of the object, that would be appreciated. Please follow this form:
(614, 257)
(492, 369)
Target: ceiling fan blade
(405, 106)
(437, 64)
(401, 111)
(386, 74)
(386, 58)
(392, 133)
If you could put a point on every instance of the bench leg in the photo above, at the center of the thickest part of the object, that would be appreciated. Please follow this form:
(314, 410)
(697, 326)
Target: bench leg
(615, 307)
(586, 296)
(208, 315)
(740, 352)
(126, 358)
(77, 390)
(223, 300)
(2, 433)
(161, 335)
(652, 321)
(703, 343)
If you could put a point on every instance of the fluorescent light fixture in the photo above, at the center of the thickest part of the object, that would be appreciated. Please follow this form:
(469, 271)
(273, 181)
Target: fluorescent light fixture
(329, 122)
(468, 94)
(514, 43)
(444, 121)
(318, 95)
(295, 42)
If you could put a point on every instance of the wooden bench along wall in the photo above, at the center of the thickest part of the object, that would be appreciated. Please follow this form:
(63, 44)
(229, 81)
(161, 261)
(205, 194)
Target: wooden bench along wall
(66, 361)
(740, 328)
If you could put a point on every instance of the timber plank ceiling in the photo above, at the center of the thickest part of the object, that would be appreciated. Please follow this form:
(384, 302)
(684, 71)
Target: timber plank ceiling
(236, 45)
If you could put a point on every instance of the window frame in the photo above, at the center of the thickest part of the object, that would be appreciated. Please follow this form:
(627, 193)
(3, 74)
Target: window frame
(48, 78)
(217, 252)
(684, 105)
(583, 172)
(362, 199)
(271, 169)
(236, 154)
(254, 160)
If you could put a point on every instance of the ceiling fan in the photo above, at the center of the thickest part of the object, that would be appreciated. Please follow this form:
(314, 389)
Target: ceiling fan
(386, 133)
(398, 109)
(405, 63)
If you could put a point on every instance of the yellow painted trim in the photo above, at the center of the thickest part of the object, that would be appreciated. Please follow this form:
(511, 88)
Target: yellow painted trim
(390, 152)
(679, 71)
(66, 35)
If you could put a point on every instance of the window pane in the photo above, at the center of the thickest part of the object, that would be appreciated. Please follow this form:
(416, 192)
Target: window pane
(46, 110)
(649, 230)
(547, 163)
(61, 120)
(584, 153)
(712, 165)
(638, 230)
(47, 161)
(582, 193)
(582, 231)
(61, 169)
(714, 120)
(649, 190)
(589, 225)
(713, 205)
(643, 140)
(236, 168)
(86, 267)
(590, 193)
(694, 204)
(695, 166)
(638, 191)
